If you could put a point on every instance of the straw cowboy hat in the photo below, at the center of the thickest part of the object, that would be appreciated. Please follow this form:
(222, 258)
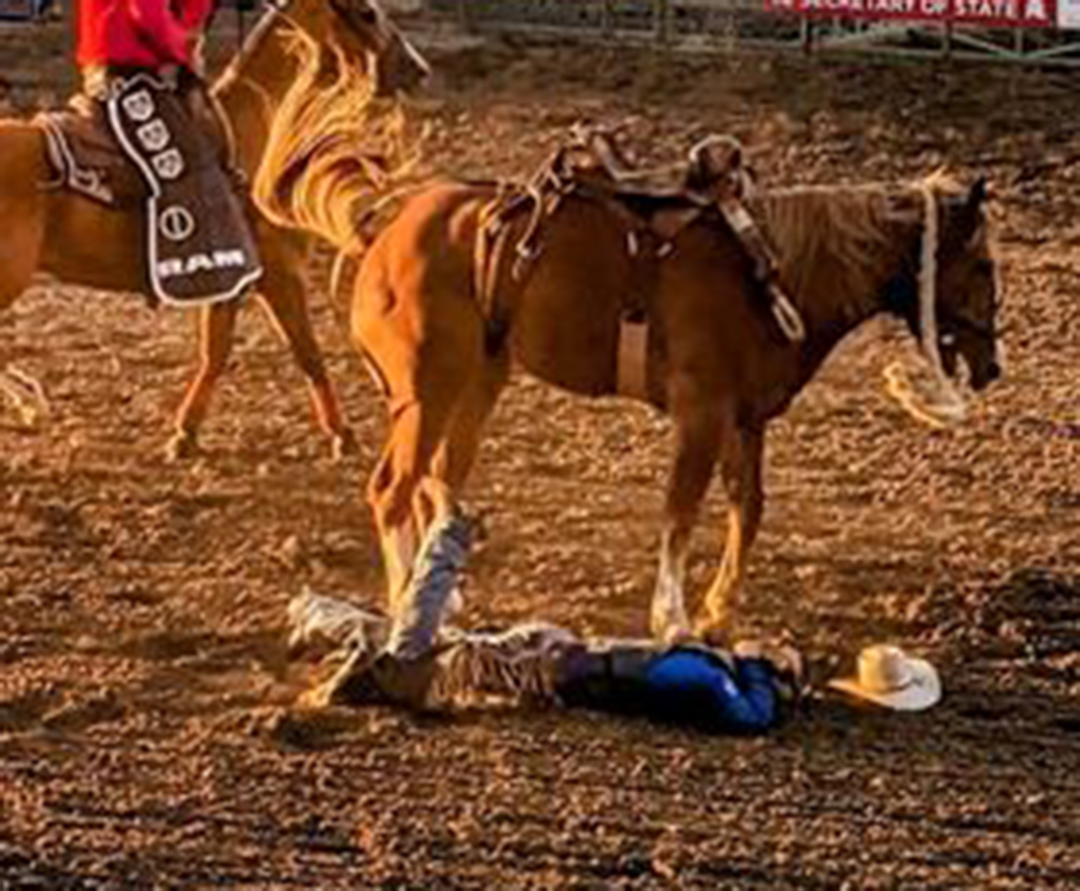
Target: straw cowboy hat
(889, 677)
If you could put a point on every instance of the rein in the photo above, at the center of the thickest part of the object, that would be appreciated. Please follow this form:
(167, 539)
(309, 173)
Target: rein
(274, 10)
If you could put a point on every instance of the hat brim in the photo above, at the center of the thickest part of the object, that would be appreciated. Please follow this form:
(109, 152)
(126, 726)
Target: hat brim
(922, 693)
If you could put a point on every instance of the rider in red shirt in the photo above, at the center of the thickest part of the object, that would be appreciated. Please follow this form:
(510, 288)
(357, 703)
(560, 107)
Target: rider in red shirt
(122, 40)
(145, 34)
(118, 39)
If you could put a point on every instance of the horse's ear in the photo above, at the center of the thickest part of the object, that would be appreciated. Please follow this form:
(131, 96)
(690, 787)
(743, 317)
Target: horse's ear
(972, 215)
(980, 193)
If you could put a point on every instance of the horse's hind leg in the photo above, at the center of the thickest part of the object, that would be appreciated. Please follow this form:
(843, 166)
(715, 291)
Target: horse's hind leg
(459, 450)
(417, 429)
(424, 343)
(432, 448)
(741, 471)
(216, 327)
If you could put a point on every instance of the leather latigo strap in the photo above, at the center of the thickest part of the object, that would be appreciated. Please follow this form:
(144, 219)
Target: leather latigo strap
(85, 157)
(766, 265)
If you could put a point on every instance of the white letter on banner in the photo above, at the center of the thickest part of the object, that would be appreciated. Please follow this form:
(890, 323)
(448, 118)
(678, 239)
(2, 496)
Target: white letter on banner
(1036, 9)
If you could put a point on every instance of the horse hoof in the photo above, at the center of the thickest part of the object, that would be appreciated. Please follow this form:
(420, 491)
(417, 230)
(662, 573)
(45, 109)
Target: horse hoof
(181, 447)
(343, 445)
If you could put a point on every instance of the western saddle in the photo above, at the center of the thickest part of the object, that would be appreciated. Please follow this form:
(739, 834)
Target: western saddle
(657, 205)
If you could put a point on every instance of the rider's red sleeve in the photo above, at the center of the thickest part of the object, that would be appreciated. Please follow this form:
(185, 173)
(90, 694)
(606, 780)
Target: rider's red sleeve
(160, 30)
(196, 13)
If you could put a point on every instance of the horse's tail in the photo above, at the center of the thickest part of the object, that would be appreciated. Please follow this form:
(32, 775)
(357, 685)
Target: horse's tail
(321, 171)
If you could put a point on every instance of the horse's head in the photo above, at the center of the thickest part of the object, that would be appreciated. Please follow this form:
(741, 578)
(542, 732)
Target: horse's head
(967, 287)
(365, 34)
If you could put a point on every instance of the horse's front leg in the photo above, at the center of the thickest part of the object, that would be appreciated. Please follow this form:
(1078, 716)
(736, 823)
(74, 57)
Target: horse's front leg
(741, 470)
(698, 438)
(284, 296)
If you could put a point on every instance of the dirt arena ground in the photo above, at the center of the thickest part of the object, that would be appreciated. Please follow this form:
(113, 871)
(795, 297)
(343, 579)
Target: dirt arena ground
(146, 733)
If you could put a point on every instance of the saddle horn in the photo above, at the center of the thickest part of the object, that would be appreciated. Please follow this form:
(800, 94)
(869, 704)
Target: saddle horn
(712, 158)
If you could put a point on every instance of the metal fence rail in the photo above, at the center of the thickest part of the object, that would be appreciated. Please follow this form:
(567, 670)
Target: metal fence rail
(712, 25)
(23, 10)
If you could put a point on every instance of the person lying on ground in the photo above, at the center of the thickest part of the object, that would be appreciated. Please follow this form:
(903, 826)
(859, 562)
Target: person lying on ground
(416, 661)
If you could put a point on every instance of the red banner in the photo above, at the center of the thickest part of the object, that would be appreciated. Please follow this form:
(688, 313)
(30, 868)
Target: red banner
(983, 13)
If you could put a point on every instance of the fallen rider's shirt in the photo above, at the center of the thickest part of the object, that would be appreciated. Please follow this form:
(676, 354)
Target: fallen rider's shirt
(685, 684)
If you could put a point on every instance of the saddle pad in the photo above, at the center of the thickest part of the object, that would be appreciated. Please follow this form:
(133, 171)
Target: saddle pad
(200, 247)
(85, 157)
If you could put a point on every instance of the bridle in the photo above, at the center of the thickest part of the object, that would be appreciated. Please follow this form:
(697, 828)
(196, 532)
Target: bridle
(901, 298)
(273, 12)
(954, 323)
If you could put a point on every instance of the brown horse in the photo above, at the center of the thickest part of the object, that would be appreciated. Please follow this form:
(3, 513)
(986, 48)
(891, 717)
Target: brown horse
(64, 235)
(846, 254)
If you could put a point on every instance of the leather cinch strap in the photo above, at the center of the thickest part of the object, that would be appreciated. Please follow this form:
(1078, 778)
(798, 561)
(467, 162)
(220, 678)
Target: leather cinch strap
(633, 360)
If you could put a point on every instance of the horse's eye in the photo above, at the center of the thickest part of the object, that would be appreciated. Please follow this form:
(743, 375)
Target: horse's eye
(984, 266)
(367, 16)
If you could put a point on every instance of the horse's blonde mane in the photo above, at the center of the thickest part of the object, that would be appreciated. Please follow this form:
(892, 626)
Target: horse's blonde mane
(331, 148)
